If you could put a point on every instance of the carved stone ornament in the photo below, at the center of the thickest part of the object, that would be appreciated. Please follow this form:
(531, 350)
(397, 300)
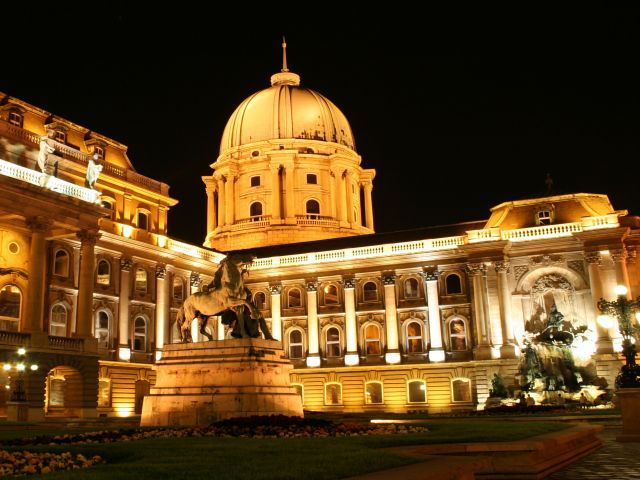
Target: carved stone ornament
(502, 266)
(549, 282)
(476, 268)
(348, 282)
(546, 260)
(39, 224)
(619, 255)
(89, 237)
(194, 279)
(593, 258)
(275, 289)
(431, 275)
(126, 264)
(161, 270)
(577, 265)
(631, 255)
(312, 286)
(389, 279)
(519, 271)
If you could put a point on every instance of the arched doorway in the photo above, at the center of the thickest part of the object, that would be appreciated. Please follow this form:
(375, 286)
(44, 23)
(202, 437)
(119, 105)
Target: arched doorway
(63, 392)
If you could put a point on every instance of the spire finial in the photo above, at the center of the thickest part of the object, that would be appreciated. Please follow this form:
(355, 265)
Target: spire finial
(284, 55)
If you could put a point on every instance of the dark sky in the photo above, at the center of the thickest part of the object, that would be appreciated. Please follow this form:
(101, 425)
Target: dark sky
(457, 112)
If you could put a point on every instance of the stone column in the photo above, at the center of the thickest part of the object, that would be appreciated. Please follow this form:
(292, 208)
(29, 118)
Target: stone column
(619, 258)
(436, 352)
(124, 342)
(391, 318)
(220, 328)
(127, 213)
(349, 196)
(84, 322)
(230, 200)
(632, 268)
(368, 204)
(221, 202)
(276, 319)
(332, 195)
(211, 208)
(313, 357)
(275, 195)
(508, 348)
(351, 356)
(290, 214)
(39, 227)
(482, 349)
(593, 259)
(342, 205)
(194, 282)
(162, 308)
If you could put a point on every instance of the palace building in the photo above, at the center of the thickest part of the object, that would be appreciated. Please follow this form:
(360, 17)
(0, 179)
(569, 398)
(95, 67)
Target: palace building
(90, 283)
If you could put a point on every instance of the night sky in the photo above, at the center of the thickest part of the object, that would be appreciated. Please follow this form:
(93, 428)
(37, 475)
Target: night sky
(457, 113)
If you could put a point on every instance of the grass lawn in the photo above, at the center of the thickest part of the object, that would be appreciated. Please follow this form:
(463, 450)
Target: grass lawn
(309, 458)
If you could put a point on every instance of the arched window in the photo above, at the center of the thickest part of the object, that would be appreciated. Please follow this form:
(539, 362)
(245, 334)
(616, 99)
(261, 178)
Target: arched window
(103, 273)
(58, 321)
(102, 328)
(10, 303)
(100, 151)
(332, 342)
(141, 281)
(373, 393)
(331, 295)
(61, 263)
(60, 136)
(260, 300)
(372, 340)
(458, 334)
(454, 284)
(461, 390)
(296, 348)
(417, 391)
(332, 394)
(370, 292)
(140, 334)
(178, 289)
(313, 208)
(16, 118)
(255, 209)
(411, 288)
(294, 299)
(142, 220)
(414, 338)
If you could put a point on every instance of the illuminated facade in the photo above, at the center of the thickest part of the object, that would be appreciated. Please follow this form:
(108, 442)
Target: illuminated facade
(412, 320)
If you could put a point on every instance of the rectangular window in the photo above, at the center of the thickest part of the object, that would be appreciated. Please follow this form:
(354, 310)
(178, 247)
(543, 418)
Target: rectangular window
(15, 118)
(60, 137)
(461, 390)
(312, 179)
(417, 391)
(333, 394)
(104, 393)
(255, 181)
(373, 393)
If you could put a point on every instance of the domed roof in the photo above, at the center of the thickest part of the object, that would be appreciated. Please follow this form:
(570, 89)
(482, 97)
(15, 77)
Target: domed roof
(285, 110)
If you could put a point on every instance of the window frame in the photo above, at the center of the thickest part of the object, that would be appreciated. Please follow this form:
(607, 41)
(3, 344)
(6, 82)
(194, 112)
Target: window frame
(424, 384)
(328, 342)
(325, 291)
(53, 323)
(340, 400)
(97, 329)
(138, 292)
(253, 216)
(405, 294)
(20, 298)
(366, 341)
(313, 176)
(147, 214)
(408, 338)
(464, 335)
(301, 305)
(301, 344)
(135, 334)
(446, 283)
(178, 281)
(468, 381)
(16, 123)
(251, 181)
(100, 282)
(60, 136)
(373, 382)
(55, 262)
(265, 304)
(364, 292)
(307, 211)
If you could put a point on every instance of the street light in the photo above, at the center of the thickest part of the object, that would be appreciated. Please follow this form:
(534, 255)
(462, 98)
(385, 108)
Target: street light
(622, 309)
(20, 365)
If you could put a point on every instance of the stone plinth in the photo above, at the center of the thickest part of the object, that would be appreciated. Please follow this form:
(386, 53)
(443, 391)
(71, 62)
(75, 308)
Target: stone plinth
(200, 383)
(630, 409)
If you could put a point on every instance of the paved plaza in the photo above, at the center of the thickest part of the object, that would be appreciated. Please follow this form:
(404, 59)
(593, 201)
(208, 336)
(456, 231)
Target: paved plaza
(614, 461)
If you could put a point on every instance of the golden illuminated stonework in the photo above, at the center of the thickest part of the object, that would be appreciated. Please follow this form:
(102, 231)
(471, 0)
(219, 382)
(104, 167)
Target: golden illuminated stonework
(287, 172)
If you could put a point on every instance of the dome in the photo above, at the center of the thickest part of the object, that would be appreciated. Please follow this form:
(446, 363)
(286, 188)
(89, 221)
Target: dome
(285, 111)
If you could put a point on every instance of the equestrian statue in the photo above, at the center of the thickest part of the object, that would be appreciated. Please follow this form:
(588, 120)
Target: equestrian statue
(226, 296)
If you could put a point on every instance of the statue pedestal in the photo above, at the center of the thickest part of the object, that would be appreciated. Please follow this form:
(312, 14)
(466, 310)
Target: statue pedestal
(200, 383)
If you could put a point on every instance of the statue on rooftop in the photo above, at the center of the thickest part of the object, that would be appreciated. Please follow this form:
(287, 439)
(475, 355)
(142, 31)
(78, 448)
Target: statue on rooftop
(46, 147)
(93, 170)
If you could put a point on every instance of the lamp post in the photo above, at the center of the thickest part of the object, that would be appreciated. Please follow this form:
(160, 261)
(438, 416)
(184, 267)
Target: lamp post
(19, 365)
(628, 380)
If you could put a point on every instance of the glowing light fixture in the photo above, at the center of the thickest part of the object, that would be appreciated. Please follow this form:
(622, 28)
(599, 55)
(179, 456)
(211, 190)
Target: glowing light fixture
(313, 362)
(392, 357)
(124, 411)
(22, 351)
(34, 367)
(351, 359)
(620, 290)
(6, 367)
(124, 353)
(605, 321)
(127, 230)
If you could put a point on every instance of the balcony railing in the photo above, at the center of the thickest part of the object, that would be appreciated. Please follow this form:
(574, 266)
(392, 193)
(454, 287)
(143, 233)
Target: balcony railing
(318, 220)
(47, 181)
(83, 158)
(257, 221)
(542, 232)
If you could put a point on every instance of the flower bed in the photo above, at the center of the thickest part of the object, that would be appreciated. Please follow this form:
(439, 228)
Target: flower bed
(25, 463)
(277, 426)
